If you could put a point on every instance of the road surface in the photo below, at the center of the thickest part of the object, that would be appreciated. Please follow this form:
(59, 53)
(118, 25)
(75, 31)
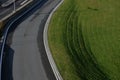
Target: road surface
(27, 58)
(7, 10)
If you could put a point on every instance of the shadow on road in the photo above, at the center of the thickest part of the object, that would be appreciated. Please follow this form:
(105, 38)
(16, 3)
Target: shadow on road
(7, 64)
(43, 54)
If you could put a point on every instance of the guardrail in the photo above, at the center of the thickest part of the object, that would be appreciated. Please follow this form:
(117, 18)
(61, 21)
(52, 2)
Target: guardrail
(5, 33)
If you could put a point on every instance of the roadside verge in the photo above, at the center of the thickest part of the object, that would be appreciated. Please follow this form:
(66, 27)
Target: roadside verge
(48, 52)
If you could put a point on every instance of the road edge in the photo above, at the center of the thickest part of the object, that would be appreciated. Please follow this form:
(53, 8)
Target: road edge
(47, 49)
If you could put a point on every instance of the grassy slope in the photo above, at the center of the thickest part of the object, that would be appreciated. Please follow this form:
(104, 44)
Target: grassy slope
(101, 29)
(84, 39)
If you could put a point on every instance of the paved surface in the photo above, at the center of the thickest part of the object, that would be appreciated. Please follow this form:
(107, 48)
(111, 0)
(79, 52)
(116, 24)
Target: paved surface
(27, 56)
(8, 10)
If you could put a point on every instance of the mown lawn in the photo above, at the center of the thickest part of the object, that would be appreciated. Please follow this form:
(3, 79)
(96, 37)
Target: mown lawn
(84, 38)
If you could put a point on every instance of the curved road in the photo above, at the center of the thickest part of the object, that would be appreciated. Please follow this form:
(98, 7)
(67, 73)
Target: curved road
(27, 59)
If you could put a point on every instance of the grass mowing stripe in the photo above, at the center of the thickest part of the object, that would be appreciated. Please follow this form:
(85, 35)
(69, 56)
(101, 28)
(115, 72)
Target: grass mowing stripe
(83, 61)
(84, 37)
(65, 70)
(76, 55)
(93, 68)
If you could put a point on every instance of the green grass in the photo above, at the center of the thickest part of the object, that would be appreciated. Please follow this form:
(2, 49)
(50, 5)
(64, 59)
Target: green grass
(84, 39)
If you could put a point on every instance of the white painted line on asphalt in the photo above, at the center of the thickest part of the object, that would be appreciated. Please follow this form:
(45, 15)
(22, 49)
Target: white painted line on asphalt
(15, 11)
(48, 52)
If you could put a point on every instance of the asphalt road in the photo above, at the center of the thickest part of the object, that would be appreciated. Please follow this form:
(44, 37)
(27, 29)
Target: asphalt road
(27, 58)
(7, 10)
